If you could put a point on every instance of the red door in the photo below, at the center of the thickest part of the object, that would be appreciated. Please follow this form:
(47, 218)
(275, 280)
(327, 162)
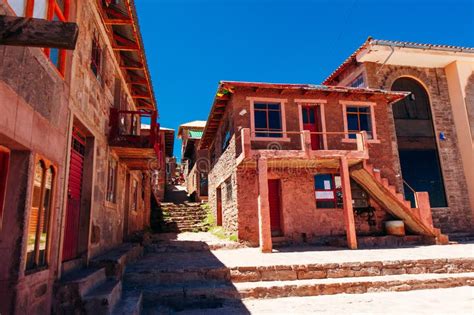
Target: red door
(311, 122)
(274, 202)
(73, 211)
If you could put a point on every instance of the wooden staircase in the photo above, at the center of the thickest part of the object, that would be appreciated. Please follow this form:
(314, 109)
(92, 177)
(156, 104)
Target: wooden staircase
(417, 220)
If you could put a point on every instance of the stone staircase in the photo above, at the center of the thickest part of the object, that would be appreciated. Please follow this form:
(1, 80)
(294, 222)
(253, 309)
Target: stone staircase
(192, 280)
(417, 220)
(97, 289)
(183, 217)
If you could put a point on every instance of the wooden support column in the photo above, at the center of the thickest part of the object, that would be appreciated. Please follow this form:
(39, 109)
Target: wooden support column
(347, 201)
(264, 229)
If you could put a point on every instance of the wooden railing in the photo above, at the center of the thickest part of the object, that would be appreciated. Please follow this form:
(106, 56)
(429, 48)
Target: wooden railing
(303, 142)
(126, 131)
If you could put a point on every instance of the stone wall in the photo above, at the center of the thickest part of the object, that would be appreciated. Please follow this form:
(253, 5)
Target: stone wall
(457, 216)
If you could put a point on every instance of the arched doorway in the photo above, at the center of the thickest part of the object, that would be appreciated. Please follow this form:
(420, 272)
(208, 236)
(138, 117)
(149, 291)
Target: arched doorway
(416, 138)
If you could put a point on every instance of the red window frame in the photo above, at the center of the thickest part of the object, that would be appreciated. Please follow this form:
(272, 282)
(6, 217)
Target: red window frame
(333, 189)
(4, 169)
(53, 10)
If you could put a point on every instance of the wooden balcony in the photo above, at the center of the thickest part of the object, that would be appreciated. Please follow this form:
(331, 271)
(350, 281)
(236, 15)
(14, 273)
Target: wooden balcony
(299, 149)
(137, 147)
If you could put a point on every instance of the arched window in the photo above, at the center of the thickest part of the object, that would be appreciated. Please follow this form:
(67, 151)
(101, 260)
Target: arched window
(40, 215)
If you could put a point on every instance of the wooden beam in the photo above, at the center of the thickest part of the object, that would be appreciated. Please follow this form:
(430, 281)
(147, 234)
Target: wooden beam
(31, 32)
(118, 21)
(348, 212)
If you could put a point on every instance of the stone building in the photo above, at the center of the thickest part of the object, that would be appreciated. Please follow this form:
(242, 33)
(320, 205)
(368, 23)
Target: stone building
(307, 163)
(194, 161)
(433, 129)
(74, 163)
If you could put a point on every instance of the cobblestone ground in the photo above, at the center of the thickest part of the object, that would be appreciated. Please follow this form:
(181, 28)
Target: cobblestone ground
(451, 301)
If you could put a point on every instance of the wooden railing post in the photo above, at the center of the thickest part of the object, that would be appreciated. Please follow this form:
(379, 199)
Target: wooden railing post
(245, 140)
(306, 141)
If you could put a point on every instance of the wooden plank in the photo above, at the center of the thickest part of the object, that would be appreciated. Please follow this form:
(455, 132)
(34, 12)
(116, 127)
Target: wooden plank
(32, 32)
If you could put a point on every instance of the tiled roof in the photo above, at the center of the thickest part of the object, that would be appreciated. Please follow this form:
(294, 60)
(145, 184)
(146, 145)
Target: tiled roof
(392, 43)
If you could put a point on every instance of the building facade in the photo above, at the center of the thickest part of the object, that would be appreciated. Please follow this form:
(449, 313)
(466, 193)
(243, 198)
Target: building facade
(74, 164)
(306, 163)
(433, 128)
(193, 160)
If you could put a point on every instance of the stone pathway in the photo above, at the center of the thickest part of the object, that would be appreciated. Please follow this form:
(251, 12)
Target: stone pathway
(451, 301)
(311, 255)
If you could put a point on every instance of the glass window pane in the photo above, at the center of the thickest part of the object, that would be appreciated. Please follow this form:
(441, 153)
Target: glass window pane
(274, 120)
(54, 56)
(352, 122)
(260, 106)
(323, 182)
(274, 106)
(351, 109)
(45, 215)
(364, 110)
(39, 9)
(305, 116)
(365, 123)
(34, 216)
(260, 119)
(18, 6)
(311, 115)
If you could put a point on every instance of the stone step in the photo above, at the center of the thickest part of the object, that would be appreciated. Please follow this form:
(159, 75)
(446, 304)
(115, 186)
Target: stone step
(177, 247)
(313, 287)
(130, 303)
(350, 269)
(190, 295)
(115, 261)
(156, 277)
(82, 281)
(103, 299)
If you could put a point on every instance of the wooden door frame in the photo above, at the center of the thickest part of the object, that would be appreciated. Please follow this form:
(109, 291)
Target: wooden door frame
(314, 102)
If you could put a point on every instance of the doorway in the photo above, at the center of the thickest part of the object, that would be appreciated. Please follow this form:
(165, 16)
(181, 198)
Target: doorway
(311, 118)
(416, 139)
(219, 207)
(274, 200)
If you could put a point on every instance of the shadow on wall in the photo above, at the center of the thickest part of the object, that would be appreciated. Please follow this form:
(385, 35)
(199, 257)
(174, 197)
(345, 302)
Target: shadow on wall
(179, 276)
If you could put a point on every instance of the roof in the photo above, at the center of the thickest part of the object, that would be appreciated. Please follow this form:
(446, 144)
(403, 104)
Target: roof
(227, 88)
(372, 42)
(121, 21)
(192, 125)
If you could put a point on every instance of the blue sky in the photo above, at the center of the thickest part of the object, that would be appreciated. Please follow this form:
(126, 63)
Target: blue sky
(193, 44)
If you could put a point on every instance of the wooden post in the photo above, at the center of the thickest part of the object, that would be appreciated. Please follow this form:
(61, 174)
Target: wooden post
(264, 229)
(347, 201)
(32, 32)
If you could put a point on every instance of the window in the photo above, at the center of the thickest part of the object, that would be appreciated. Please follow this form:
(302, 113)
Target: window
(359, 119)
(358, 82)
(328, 191)
(96, 58)
(134, 205)
(112, 181)
(53, 10)
(228, 189)
(40, 215)
(268, 121)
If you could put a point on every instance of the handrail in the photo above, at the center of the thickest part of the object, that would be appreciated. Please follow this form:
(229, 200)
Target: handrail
(413, 191)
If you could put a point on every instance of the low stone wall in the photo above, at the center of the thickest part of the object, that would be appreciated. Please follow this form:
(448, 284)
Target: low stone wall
(350, 269)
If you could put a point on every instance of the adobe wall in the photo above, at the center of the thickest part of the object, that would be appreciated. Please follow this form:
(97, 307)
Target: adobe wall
(298, 205)
(457, 216)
